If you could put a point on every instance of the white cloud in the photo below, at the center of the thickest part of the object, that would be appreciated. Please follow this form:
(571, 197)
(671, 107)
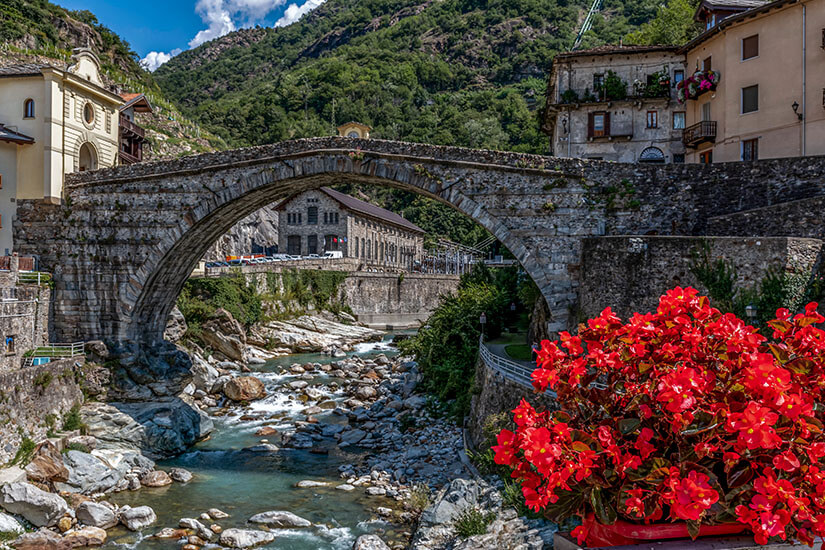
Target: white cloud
(153, 60)
(218, 19)
(224, 16)
(294, 12)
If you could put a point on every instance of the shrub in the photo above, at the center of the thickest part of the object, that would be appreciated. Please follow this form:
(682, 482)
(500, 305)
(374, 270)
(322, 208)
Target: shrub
(72, 420)
(419, 498)
(24, 452)
(472, 521)
(76, 447)
(686, 414)
(43, 380)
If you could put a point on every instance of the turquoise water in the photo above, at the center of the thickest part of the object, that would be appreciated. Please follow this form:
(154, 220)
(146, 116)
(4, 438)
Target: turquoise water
(243, 482)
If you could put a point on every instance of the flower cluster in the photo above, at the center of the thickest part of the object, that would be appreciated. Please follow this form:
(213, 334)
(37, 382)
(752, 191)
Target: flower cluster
(697, 84)
(685, 414)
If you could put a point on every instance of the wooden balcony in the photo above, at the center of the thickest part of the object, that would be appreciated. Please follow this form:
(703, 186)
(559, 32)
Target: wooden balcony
(699, 133)
(128, 127)
(127, 158)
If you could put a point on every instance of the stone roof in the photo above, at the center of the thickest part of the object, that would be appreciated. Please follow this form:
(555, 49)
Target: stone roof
(736, 4)
(365, 208)
(12, 136)
(620, 49)
(24, 69)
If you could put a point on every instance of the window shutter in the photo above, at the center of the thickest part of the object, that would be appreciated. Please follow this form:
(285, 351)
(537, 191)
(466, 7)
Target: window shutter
(607, 124)
(590, 125)
(750, 46)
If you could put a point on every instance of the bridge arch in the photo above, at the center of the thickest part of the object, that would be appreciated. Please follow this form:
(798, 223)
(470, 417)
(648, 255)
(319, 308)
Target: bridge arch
(207, 222)
(126, 239)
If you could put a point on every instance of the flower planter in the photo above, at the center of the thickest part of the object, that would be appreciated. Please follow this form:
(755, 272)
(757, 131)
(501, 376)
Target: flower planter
(623, 532)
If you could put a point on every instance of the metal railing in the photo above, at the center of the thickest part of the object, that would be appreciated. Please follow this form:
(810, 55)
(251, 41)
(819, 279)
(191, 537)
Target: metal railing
(34, 278)
(698, 133)
(54, 351)
(509, 369)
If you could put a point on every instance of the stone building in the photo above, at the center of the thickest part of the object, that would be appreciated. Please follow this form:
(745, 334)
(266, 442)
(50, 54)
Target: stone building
(616, 103)
(767, 92)
(24, 312)
(323, 220)
(55, 121)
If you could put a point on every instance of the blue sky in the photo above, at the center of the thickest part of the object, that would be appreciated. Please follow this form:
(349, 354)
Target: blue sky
(158, 29)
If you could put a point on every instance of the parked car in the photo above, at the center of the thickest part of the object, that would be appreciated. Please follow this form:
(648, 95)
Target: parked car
(333, 254)
(312, 256)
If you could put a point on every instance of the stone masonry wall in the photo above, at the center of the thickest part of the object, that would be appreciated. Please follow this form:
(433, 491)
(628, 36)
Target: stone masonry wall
(630, 273)
(497, 395)
(24, 318)
(384, 300)
(30, 397)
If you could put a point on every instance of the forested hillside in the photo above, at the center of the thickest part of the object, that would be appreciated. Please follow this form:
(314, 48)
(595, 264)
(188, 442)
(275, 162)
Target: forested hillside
(458, 72)
(40, 31)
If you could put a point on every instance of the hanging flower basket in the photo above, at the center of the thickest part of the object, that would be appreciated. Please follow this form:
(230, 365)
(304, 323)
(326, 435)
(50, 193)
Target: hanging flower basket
(622, 532)
(697, 84)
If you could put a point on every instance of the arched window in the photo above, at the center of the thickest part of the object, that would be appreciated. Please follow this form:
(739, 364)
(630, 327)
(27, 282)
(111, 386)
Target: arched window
(356, 248)
(28, 108)
(88, 158)
(652, 155)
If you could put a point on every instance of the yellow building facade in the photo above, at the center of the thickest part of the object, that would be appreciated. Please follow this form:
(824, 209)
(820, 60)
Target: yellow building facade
(56, 122)
(770, 98)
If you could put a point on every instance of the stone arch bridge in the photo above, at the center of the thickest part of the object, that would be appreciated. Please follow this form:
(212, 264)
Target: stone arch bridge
(125, 239)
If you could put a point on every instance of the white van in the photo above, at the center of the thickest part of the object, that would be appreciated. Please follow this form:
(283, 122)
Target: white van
(333, 254)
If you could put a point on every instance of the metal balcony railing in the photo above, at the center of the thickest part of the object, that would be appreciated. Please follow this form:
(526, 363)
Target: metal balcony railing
(699, 133)
(53, 351)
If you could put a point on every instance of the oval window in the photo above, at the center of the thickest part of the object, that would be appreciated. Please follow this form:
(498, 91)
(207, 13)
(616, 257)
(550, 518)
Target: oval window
(88, 113)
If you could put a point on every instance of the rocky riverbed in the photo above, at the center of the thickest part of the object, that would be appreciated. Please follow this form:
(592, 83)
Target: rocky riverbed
(304, 452)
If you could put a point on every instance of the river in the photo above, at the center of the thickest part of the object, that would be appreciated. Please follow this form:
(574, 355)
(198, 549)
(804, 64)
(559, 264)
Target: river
(244, 482)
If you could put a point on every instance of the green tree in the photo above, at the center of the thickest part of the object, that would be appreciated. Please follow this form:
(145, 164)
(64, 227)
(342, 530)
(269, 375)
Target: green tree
(673, 24)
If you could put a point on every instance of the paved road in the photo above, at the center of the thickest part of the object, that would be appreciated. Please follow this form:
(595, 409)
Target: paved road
(498, 349)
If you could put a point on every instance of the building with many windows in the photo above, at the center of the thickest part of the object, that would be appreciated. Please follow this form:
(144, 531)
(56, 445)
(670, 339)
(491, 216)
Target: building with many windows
(764, 63)
(616, 103)
(325, 220)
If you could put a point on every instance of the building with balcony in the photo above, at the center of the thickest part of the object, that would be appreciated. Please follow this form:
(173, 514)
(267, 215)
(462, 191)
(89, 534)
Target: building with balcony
(757, 83)
(616, 103)
(132, 136)
(325, 220)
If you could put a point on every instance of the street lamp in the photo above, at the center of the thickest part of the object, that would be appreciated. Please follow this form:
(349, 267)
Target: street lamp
(483, 321)
(750, 313)
(513, 307)
(795, 108)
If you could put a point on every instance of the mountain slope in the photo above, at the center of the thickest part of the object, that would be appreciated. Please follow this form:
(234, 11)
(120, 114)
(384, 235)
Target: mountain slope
(457, 72)
(37, 30)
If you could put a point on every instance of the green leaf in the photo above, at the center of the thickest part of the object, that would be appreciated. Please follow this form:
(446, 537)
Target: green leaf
(800, 365)
(628, 425)
(605, 512)
(779, 352)
(693, 528)
(741, 474)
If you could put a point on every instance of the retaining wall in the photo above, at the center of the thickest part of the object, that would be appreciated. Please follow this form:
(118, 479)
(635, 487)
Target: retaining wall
(30, 397)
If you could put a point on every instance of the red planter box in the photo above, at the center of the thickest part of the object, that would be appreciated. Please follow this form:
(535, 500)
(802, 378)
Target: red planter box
(622, 532)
